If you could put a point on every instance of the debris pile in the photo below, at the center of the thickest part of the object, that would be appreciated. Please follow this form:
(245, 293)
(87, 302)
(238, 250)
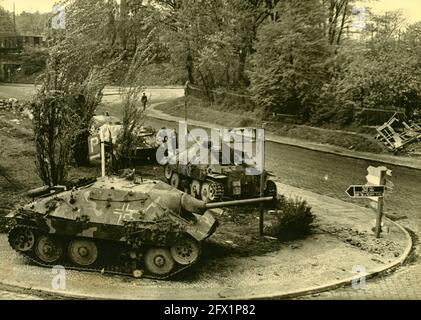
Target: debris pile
(21, 108)
(398, 133)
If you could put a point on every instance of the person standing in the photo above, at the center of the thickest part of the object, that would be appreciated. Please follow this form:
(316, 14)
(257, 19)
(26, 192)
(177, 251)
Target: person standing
(144, 101)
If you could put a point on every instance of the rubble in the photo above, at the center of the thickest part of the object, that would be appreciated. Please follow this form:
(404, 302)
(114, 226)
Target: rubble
(398, 133)
(20, 108)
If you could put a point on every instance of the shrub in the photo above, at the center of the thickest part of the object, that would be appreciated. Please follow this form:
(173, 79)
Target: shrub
(34, 62)
(247, 122)
(294, 219)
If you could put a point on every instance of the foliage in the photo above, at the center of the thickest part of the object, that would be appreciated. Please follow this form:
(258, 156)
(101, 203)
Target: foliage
(294, 219)
(133, 117)
(34, 62)
(385, 70)
(54, 124)
(81, 61)
(291, 61)
(6, 22)
(35, 23)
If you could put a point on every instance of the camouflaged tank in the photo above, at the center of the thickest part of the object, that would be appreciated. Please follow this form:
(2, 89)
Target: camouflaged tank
(113, 225)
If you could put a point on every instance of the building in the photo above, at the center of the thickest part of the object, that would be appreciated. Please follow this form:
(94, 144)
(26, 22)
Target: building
(12, 45)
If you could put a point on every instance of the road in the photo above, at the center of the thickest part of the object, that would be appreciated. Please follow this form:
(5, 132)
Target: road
(331, 175)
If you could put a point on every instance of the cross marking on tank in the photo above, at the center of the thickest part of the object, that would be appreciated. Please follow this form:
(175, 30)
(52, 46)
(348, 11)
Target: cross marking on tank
(125, 213)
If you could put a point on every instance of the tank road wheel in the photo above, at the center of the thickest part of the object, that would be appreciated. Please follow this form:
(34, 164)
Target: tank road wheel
(48, 249)
(271, 189)
(175, 180)
(168, 172)
(186, 251)
(195, 189)
(211, 192)
(159, 261)
(83, 252)
(21, 239)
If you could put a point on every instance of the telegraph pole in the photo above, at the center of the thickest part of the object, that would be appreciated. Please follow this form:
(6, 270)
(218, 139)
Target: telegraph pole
(14, 18)
(186, 93)
(262, 184)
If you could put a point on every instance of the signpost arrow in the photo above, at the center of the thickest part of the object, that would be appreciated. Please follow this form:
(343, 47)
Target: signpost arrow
(366, 191)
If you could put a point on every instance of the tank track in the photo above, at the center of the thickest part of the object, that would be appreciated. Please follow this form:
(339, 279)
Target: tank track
(271, 189)
(104, 269)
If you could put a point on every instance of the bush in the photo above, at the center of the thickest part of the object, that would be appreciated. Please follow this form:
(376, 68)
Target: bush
(247, 122)
(34, 62)
(294, 219)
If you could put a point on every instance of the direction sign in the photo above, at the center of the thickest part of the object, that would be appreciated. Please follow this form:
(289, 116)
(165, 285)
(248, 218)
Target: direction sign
(366, 191)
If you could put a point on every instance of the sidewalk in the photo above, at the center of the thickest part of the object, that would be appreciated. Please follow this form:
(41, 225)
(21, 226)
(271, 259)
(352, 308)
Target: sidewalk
(413, 163)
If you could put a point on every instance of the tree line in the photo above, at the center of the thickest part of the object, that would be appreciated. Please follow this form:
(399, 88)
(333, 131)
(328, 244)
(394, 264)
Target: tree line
(306, 58)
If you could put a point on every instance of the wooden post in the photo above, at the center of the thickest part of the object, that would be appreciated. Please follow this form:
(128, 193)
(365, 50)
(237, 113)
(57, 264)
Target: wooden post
(262, 186)
(186, 94)
(380, 205)
(103, 157)
(185, 110)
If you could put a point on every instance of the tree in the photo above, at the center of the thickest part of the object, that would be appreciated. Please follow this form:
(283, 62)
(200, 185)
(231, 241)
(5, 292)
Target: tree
(384, 71)
(54, 123)
(81, 61)
(291, 61)
(33, 23)
(212, 40)
(6, 22)
(134, 115)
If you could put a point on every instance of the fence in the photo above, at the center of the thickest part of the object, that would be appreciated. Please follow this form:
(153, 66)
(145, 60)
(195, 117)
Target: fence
(374, 117)
(231, 100)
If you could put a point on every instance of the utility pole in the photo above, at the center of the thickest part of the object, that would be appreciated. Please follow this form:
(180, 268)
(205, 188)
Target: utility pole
(14, 18)
(186, 93)
(262, 184)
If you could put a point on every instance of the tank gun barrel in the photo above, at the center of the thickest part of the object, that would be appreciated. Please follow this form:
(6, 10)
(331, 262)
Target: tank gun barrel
(191, 204)
(237, 202)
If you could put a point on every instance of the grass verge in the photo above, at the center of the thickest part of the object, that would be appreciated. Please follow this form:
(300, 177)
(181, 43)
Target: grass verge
(354, 138)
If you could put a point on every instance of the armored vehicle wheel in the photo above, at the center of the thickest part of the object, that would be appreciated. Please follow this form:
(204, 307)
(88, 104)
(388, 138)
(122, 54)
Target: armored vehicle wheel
(175, 180)
(48, 249)
(271, 189)
(186, 251)
(22, 239)
(195, 189)
(168, 172)
(210, 192)
(159, 261)
(83, 252)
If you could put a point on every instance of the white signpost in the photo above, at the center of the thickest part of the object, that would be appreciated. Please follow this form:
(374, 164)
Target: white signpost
(374, 190)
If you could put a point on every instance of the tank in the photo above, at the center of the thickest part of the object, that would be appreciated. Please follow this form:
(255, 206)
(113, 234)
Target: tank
(217, 182)
(145, 143)
(111, 225)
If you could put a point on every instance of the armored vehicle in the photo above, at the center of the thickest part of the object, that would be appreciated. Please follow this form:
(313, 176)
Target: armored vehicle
(145, 144)
(216, 182)
(113, 225)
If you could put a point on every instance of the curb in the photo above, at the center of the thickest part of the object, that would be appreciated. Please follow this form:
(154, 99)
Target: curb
(313, 146)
